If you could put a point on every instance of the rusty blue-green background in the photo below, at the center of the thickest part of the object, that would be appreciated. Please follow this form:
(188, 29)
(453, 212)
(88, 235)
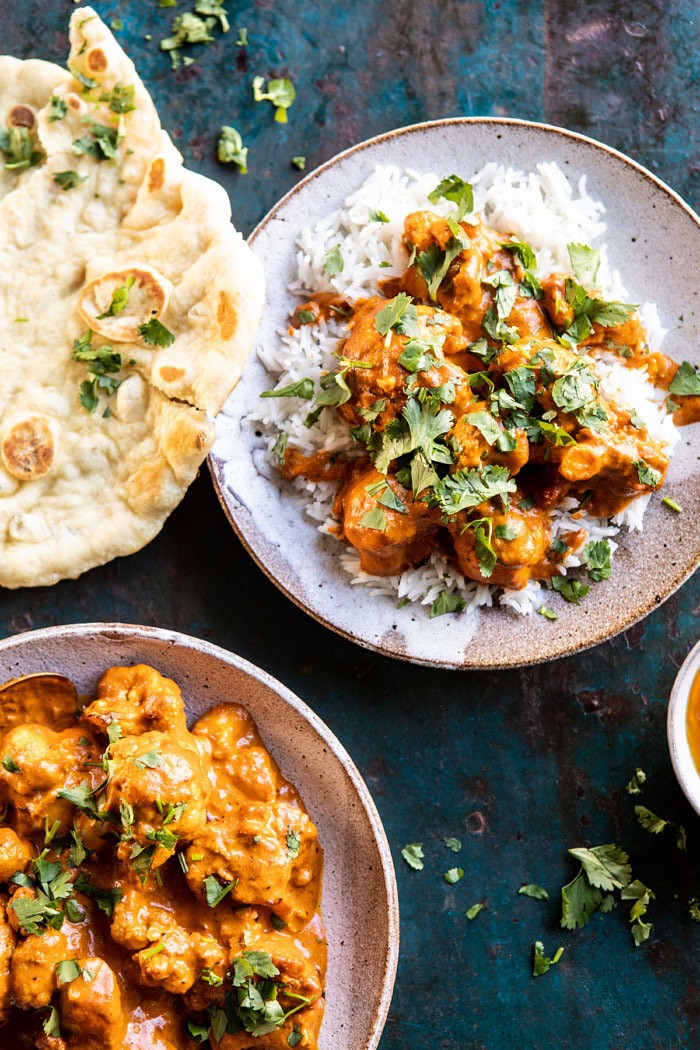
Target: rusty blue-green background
(518, 765)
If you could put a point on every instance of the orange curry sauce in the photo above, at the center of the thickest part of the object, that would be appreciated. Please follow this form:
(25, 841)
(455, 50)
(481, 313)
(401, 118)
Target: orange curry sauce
(179, 861)
(692, 720)
(455, 360)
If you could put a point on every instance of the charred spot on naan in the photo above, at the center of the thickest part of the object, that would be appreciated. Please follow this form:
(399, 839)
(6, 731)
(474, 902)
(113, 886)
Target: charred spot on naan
(226, 316)
(156, 175)
(115, 304)
(96, 60)
(28, 449)
(22, 117)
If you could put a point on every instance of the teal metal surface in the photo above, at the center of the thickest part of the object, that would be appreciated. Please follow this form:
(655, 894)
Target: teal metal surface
(518, 765)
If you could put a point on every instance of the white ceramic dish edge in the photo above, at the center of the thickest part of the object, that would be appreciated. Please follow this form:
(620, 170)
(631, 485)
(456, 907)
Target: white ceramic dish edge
(681, 757)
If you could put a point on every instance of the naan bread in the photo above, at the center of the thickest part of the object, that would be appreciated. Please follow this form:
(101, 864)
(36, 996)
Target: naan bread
(136, 230)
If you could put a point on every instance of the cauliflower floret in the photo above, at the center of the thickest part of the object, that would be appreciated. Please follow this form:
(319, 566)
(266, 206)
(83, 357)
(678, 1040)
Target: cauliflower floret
(241, 764)
(91, 1010)
(164, 780)
(7, 945)
(47, 763)
(15, 853)
(138, 699)
(175, 958)
(297, 976)
(264, 850)
(33, 968)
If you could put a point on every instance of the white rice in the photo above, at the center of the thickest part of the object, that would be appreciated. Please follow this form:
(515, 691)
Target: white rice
(541, 208)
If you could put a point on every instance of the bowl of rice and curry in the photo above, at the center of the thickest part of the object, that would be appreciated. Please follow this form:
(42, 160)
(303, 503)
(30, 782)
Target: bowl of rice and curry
(461, 424)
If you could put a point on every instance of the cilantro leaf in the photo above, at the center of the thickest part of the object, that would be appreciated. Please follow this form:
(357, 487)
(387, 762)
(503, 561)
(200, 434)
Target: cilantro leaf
(523, 251)
(374, 519)
(230, 148)
(572, 590)
(391, 501)
(51, 1024)
(58, 107)
(506, 292)
(100, 144)
(521, 383)
(649, 821)
(555, 435)
(547, 612)
(606, 867)
(585, 262)
(496, 327)
(280, 92)
(532, 890)
(9, 764)
(486, 425)
(486, 555)
(433, 264)
(413, 855)
(469, 488)
(634, 787)
(280, 446)
(67, 180)
(579, 900)
(214, 891)
(68, 970)
(19, 148)
(686, 381)
(574, 389)
(453, 875)
(446, 603)
(400, 315)
(454, 189)
(303, 388)
(377, 216)
(540, 962)
(596, 554)
(293, 840)
(119, 301)
(453, 844)
(105, 899)
(333, 262)
(416, 357)
(425, 424)
(120, 99)
(646, 474)
(155, 334)
(641, 895)
(149, 760)
(472, 912)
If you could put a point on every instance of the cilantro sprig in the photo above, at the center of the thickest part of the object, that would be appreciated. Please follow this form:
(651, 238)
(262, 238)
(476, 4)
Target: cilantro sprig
(279, 91)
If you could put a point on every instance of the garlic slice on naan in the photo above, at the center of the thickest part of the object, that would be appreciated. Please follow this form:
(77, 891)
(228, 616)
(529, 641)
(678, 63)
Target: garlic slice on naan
(79, 229)
(117, 304)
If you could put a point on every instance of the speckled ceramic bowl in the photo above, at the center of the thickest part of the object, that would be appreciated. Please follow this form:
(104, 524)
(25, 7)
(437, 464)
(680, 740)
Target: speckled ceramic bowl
(684, 766)
(359, 887)
(653, 239)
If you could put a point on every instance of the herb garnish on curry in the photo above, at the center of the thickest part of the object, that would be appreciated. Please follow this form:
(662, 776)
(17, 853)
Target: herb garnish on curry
(473, 398)
(159, 887)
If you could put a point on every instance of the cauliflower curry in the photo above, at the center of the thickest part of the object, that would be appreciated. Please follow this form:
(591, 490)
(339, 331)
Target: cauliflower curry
(159, 887)
(475, 405)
